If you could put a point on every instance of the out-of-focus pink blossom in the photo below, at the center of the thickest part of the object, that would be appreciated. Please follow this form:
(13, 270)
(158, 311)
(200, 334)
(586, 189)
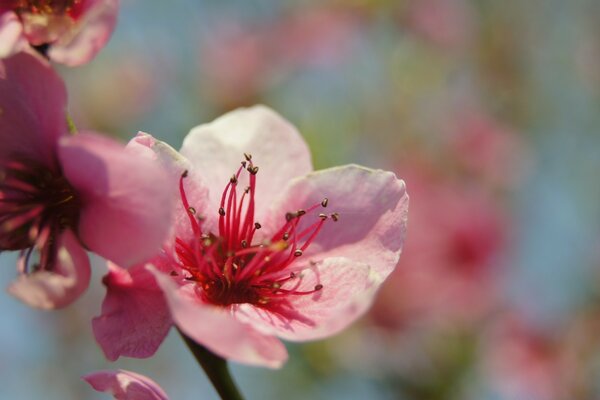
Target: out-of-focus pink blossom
(261, 251)
(446, 272)
(70, 32)
(319, 35)
(241, 61)
(522, 361)
(487, 149)
(446, 23)
(125, 385)
(235, 61)
(61, 194)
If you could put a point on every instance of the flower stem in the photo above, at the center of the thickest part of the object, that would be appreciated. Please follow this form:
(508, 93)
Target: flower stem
(215, 368)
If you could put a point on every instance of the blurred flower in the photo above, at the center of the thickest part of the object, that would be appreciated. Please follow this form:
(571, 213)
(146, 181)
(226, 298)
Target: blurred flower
(446, 23)
(234, 284)
(61, 194)
(446, 273)
(70, 32)
(523, 360)
(235, 61)
(240, 61)
(125, 385)
(488, 149)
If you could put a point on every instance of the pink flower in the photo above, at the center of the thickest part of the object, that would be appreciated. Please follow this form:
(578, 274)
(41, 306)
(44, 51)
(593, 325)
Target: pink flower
(125, 385)
(61, 194)
(261, 251)
(71, 31)
(449, 269)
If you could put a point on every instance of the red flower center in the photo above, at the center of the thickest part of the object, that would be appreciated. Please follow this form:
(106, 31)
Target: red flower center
(36, 204)
(232, 267)
(73, 8)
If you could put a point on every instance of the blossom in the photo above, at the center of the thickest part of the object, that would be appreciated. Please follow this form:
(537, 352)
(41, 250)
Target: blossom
(448, 273)
(70, 32)
(61, 194)
(125, 385)
(261, 251)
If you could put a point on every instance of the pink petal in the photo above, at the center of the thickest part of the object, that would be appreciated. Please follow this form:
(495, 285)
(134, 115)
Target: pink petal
(217, 329)
(12, 40)
(125, 385)
(126, 210)
(348, 290)
(372, 207)
(91, 34)
(175, 164)
(135, 318)
(60, 287)
(32, 108)
(216, 150)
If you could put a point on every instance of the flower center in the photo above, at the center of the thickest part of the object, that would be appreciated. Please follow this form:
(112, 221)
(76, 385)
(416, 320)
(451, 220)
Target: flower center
(45, 7)
(232, 267)
(36, 204)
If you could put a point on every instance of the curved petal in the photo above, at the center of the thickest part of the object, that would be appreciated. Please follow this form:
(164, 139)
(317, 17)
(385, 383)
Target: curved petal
(126, 212)
(60, 287)
(32, 108)
(125, 385)
(372, 206)
(217, 329)
(216, 150)
(348, 291)
(175, 164)
(80, 45)
(135, 318)
(12, 39)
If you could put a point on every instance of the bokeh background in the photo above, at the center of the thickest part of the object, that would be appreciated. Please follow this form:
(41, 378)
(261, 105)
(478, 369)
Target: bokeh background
(490, 110)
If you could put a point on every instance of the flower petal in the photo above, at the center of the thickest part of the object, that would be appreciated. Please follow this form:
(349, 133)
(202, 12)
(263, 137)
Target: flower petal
(126, 212)
(347, 292)
(12, 39)
(216, 149)
(217, 329)
(60, 287)
(372, 207)
(125, 385)
(174, 164)
(135, 318)
(80, 45)
(32, 108)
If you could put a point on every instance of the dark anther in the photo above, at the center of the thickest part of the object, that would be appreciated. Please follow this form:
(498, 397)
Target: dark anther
(335, 217)
(257, 225)
(192, 210)
(323, 216)
(300, 213)
(318, 287)
(233, 179)
(244, 164)
(297, 253)
(289, 216)
(221, 211)
(244, 244)
(247, 190)
(286, 236)
(324, 202)
(184, 174)
(253, 170)
(248, 156)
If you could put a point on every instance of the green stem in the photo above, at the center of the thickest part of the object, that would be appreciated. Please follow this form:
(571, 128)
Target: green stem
(215, 368)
